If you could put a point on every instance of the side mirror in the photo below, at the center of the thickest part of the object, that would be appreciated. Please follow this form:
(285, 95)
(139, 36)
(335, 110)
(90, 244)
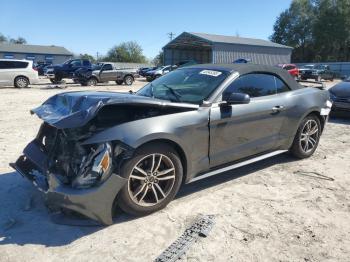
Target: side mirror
(235, 98)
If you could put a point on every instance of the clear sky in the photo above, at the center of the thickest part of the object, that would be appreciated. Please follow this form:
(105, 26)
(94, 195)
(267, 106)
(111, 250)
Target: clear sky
(88, 26)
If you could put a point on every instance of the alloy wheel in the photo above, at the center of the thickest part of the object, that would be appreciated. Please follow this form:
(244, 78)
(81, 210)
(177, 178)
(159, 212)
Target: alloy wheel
(309, 136)
(151, 180)
(21, 82)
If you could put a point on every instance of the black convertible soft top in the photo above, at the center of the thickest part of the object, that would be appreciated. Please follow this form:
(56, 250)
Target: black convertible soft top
(243, 69)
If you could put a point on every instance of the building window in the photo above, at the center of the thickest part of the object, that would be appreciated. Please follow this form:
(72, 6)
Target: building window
(9, 56)
(30, 57)
(48, 58)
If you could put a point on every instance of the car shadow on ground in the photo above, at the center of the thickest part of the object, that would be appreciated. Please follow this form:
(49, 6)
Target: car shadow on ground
(24, 219)
(233, 174)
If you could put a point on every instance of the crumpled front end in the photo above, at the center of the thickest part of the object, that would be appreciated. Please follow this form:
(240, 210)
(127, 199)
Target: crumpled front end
(82, 178)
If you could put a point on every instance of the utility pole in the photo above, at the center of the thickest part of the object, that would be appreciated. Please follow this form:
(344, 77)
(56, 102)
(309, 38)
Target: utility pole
(171, 35)
(97, 56)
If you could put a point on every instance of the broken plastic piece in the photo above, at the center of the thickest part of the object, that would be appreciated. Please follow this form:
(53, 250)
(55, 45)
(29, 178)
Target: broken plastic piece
(201, 227)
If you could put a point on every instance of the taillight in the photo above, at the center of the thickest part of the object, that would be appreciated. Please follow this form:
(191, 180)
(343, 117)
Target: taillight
(35, 69)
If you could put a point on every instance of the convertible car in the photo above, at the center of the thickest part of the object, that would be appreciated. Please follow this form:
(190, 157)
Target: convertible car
(97, 150)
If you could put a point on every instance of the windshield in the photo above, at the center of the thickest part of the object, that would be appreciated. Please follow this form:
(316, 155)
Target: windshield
(320, 67)
(186, 85)
(96, 67)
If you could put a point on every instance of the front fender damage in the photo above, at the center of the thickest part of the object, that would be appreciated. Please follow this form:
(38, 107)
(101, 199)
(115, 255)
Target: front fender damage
(95, 203)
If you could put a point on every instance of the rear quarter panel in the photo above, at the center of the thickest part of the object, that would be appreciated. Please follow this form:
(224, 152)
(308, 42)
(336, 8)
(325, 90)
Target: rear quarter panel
(301, 103)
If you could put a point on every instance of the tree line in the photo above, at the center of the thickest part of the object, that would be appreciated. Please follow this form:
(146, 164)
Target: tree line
(128, 52)
(19, 40)
(318, 30)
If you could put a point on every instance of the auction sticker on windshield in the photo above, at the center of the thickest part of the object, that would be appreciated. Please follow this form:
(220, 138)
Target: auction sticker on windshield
(210, 73)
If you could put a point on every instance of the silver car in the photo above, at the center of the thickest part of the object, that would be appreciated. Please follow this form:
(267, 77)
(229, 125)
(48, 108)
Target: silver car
(18, 73)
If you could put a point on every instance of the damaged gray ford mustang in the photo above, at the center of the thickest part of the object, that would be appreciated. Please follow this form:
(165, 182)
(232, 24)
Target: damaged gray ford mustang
(96, 150)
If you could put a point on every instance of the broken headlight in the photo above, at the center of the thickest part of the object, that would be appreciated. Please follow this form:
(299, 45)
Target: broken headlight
(94, 167)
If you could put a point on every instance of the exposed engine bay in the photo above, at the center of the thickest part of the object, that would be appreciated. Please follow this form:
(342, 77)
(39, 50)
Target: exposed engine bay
(83, 166)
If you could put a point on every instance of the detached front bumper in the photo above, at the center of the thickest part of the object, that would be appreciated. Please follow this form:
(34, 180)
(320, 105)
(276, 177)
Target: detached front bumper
(95, 202)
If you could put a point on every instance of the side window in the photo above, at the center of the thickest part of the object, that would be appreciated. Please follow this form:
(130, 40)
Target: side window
(281, 87)
(13, 64)
(255, 85)
(19, 64)
(107, 67)
(86, 63)
(289, 67)
(75, 63)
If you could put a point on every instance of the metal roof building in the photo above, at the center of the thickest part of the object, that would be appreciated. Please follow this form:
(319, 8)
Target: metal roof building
(220, 49)
(37, 53)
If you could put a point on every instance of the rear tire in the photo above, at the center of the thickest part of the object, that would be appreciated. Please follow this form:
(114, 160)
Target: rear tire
(128, 80)
(307, 137)
(148, 189)
(21, 82)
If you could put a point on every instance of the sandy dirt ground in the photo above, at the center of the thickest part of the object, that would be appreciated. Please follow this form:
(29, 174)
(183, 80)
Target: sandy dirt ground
(278, 209)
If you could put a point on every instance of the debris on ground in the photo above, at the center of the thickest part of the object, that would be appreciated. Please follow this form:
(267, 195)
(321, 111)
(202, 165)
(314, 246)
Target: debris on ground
(200, 228)
(313, 174)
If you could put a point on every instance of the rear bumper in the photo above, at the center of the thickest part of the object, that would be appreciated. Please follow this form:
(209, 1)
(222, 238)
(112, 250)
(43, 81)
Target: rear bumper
(50, 75)
(95, 202)
(34, 80)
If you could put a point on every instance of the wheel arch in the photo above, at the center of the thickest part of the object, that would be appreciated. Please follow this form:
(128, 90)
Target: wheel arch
(130, 76)
(319, 116)
(313, 111)
(94, 77)
(26, 77)
(179, 150)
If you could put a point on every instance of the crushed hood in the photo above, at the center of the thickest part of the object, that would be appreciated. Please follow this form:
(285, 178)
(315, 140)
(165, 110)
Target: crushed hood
(75, 109)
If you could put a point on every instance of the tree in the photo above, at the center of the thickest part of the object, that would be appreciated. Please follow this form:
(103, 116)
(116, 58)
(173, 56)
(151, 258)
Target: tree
(130, 52)
(19, 40)
(3, 38)
(319, 30)
(294, 27)
(88, 57)
(158, 59)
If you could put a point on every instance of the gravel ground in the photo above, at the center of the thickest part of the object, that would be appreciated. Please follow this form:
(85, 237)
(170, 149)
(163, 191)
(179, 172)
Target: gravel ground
(278, 209)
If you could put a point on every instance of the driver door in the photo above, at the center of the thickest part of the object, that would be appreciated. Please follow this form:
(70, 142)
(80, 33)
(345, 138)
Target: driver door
(107, 73)
(243, 130)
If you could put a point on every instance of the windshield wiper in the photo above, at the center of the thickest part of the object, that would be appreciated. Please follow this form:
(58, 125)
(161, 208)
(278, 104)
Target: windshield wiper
(174, 92)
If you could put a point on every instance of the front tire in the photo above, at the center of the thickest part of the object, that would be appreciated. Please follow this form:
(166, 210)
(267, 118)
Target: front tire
(307, 137)
(21, 82)
(92, 82)
(154, 177)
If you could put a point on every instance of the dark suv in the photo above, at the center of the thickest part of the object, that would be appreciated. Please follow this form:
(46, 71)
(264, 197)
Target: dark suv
(67, 69)
(317, 72)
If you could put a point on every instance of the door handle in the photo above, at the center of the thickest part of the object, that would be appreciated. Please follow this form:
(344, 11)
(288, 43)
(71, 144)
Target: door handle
(277, 109)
